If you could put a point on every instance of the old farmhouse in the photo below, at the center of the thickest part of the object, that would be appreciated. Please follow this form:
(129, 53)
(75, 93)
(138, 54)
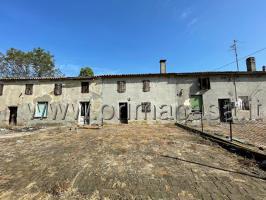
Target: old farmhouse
(128, 98)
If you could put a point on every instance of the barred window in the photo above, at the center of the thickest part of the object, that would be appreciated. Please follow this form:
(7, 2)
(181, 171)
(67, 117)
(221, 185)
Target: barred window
(146, 106)
(1, 89)
(84, 87)
(146, 86)
(29, 89)
(121, 86)
(58, 89)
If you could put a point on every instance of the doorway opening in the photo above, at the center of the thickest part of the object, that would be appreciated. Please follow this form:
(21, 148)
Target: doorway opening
(84, 113)
(225, 110)
(13, 115)
(123, 113)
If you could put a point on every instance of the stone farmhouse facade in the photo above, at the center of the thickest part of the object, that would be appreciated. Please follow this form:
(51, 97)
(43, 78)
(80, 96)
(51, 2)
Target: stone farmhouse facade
(135, 98)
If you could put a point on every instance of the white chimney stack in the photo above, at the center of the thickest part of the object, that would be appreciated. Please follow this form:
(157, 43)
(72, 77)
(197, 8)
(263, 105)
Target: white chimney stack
(162, 66)
(251, 64)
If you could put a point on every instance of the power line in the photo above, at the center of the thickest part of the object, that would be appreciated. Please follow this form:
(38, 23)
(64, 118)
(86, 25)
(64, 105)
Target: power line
(260, 50)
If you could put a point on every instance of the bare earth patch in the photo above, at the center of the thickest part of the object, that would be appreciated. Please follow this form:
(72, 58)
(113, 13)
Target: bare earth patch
(124, 162)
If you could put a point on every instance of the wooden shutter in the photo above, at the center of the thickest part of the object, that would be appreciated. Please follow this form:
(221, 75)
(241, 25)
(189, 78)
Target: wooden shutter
(204, 84)
(1, 89)
(146, 107)
(200, 83)
(121, 86)
(146, 86)
(29, 89)
(118, 87)
(58, 89)
(85, 87)
(196, 103)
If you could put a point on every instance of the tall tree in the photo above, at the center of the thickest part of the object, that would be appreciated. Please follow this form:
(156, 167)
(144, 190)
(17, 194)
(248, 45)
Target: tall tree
(35, 63)
(86, 72)
(3, 69)
(42, 63)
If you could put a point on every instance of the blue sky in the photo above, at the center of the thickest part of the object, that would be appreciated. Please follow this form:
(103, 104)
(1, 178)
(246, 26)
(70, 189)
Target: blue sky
(131, 36)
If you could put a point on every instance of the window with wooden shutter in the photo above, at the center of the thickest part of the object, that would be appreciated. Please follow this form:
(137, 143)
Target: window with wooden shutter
(85, 87)
(146, 106)
(29, 89)
(1, 89)
(204, 84)
(121, 86)
(58, 89)
(146, 86)
(243, 103)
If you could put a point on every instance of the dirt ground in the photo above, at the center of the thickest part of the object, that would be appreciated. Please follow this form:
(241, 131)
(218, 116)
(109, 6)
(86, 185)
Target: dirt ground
(124, 162)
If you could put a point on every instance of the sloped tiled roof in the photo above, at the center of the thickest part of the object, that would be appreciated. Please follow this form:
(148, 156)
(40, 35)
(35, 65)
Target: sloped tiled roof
(188, 74)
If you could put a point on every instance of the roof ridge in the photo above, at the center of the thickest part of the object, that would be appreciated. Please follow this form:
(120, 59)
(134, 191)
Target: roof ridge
(134, 75)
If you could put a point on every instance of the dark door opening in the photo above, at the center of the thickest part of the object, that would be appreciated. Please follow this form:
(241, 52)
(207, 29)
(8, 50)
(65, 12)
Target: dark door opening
(85, 112)
(225, 110)
(13, 115)
(123, 115)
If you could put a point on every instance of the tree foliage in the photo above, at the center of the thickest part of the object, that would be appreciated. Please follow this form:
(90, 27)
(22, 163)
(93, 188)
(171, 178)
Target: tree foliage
(86, 72)
(35, 63)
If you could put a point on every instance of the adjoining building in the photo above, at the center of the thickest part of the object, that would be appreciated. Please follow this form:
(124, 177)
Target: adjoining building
(49, 100)
(128, 98)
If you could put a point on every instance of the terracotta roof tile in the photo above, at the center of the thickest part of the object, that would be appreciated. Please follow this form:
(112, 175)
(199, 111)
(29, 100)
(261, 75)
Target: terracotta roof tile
(189, 74)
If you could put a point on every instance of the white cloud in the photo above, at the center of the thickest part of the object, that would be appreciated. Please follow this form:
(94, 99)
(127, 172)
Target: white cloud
(189, 17)
(185, 14)
(192, 22)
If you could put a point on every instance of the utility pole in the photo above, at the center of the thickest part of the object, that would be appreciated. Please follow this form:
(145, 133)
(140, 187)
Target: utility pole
(234, 48)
